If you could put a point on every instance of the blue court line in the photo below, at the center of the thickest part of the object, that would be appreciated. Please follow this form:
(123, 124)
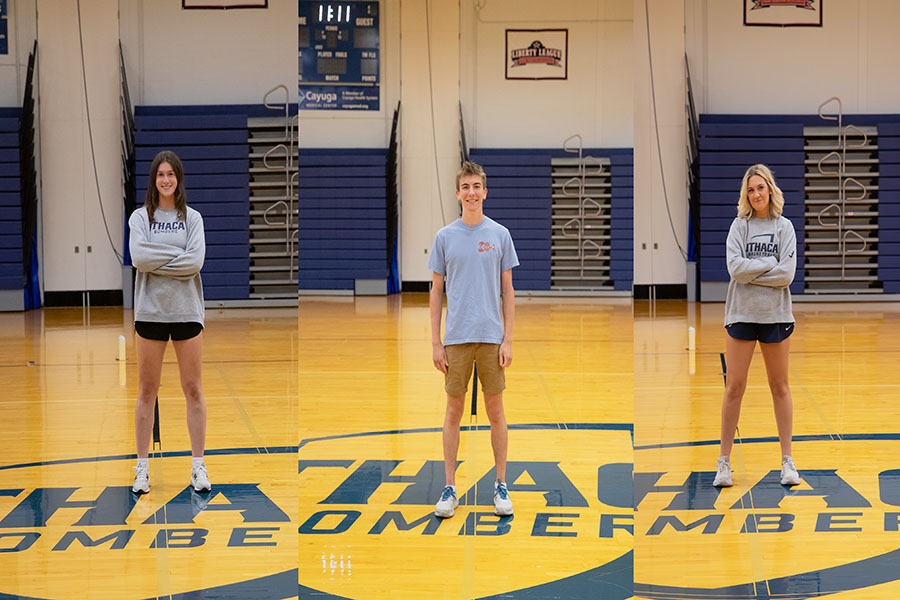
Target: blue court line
(822, 437)
(214, 452)
(279, 586)
(612, 581)
(514, 427)
(864, 573)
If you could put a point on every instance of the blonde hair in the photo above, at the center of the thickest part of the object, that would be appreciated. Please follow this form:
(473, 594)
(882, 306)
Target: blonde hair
(776, 198)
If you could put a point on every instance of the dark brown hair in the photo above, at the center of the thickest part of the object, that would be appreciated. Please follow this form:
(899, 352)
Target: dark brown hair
(470, 168)
(151, 202)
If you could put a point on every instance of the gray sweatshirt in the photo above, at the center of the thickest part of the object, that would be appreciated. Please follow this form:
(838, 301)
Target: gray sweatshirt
(762, 258)
(168, 255)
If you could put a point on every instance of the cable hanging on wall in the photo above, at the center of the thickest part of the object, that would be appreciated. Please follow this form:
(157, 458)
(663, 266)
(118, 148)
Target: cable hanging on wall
(437, 170)
(662, 173)
(87, 107)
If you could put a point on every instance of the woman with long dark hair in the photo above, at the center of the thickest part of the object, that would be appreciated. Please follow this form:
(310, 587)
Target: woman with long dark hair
(762, 258)
(168, 247)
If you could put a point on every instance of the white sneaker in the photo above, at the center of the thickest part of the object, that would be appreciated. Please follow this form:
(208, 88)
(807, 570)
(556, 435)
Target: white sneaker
(141, 479)
(447, 504)
(723, 473)
(502, 504)
(789, 475)
(199, 478)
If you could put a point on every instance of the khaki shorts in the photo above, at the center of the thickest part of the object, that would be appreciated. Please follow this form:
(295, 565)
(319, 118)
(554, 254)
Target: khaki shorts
(485, 356)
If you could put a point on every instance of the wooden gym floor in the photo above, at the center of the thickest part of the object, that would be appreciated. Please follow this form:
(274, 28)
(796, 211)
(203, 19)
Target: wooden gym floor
(371, 468)
(356, 381)
(836, 533)
(69, 524)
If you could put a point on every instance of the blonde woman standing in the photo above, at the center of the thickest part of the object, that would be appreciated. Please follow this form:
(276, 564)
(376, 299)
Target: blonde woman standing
(762, 258)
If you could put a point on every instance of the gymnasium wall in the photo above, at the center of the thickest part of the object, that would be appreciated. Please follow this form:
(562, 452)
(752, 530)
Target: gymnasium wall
(464, 47)
(740, 70)
(172, 56)
(468, 54)
(660, 197)
(770, 70)
(596, 99)
(76, 249)
(177, 56)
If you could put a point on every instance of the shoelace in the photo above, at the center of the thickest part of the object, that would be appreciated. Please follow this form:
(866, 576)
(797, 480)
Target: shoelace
(200, 470)
(447, 493)
(139, 470)
(502, 492)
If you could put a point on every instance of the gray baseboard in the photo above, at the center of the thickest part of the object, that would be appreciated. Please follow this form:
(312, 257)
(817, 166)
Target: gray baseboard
(12, 300)
(713, 291)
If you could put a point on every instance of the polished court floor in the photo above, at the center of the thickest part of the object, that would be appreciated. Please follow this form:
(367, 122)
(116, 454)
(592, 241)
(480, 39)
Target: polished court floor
(836, 533)
(353, 381)
(70, 526)
(371, 466)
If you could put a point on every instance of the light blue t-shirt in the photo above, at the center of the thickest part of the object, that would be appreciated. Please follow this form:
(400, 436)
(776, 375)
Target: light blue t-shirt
(471, 259)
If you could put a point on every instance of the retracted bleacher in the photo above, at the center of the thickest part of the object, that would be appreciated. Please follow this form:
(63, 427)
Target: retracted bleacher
(212, 142)
(726, 150)
(847, 221)
(621, 253)
(342, 218)
(889, 206)
(12, 279)
(570, 218)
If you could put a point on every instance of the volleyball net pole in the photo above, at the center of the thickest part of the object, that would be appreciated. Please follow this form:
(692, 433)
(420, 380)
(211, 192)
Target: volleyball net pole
(157, 445)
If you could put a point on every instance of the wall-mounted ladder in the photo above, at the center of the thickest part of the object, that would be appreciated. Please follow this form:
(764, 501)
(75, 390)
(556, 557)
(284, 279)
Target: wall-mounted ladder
(841, 207)
(273, 202)
(580, 240)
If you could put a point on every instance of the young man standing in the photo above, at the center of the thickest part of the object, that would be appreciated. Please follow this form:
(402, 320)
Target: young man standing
(475, 255)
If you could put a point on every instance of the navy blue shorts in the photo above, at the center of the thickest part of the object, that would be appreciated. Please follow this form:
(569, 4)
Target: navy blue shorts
(162, 331)
(767, 333)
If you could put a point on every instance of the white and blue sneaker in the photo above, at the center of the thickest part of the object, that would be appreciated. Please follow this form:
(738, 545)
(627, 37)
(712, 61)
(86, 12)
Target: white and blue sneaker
(789, 475)
(447, 504)
(502, 504)
(200, 478)
(141, 479)
(723, 473)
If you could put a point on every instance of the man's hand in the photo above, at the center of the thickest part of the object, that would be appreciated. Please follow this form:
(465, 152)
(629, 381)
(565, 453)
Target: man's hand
(439, 356)
(505, 354)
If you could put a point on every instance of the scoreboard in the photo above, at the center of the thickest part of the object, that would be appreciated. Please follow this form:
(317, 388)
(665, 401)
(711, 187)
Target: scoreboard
(339, 55)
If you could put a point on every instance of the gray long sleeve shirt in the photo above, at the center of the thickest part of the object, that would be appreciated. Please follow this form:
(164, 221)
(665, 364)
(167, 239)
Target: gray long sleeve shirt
(168, 255)
(762, 259)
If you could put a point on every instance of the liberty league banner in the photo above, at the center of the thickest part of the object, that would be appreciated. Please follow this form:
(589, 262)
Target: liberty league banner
(783, 13)
(537, 53)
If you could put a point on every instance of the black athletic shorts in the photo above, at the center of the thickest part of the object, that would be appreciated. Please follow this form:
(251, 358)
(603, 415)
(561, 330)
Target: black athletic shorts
(767, 333)
(162, 331)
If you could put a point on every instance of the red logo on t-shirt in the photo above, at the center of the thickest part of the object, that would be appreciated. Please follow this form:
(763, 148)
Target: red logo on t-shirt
(485, 246)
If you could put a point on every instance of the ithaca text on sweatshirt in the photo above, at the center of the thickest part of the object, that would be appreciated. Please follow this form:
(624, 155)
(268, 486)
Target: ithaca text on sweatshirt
(168, 255)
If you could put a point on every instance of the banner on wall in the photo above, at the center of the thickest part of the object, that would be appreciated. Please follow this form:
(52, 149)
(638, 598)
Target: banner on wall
(783, 13)
(224, 3)
(4, 30)
(537, 53)
(337, 97)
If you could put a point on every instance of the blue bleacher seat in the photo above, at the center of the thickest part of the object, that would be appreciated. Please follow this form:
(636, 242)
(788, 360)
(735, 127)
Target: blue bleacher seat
(212, 144)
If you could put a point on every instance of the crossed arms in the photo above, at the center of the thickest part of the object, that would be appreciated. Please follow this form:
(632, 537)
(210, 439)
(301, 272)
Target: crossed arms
(164, 259)
(767, 271)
